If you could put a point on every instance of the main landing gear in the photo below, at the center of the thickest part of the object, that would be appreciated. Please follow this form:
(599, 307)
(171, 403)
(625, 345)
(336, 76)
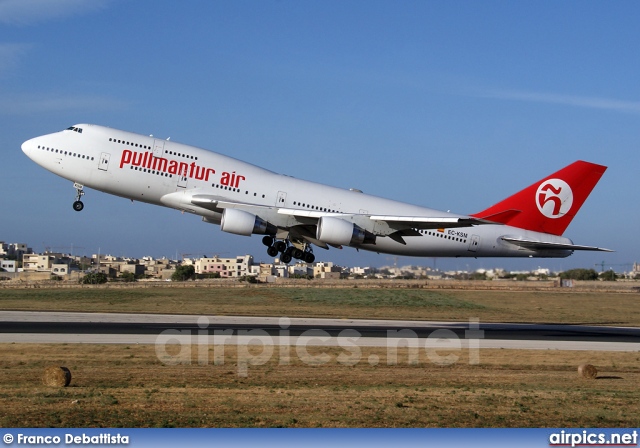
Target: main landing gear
(78, 205)
(288, 250)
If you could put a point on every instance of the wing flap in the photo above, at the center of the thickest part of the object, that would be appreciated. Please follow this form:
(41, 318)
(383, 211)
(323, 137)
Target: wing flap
(216, 205)
(422, 222)
(305, 213)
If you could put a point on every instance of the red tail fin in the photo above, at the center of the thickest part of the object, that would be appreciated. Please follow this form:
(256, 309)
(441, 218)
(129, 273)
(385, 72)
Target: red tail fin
(550, 204)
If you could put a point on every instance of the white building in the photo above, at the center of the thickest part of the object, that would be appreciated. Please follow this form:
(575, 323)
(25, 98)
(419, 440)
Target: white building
(9, 265)
(635, 273)
(281, 270)
(227, 267)
(360, 271)
(300, 268)
(60, 269)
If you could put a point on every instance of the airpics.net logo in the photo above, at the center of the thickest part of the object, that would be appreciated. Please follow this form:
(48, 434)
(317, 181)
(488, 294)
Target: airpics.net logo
(554, 198)
(592, 438)
(257, 346)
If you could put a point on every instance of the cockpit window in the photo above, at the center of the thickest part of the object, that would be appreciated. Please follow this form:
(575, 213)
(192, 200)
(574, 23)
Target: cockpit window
(74, 129)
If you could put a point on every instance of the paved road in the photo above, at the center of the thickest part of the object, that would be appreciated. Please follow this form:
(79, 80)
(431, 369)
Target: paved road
(43, 327)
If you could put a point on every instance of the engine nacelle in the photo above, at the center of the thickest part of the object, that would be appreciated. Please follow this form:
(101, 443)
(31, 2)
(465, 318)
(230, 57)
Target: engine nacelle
(244, 223)
(342, 233)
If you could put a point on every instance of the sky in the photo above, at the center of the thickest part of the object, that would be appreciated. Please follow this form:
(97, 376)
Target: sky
(453, 105)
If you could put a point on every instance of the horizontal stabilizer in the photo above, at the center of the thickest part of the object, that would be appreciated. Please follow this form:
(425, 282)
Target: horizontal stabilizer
(541, 245)
(501, 217)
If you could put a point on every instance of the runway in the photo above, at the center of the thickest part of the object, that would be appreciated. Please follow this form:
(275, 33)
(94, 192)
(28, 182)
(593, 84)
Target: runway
(112, 328)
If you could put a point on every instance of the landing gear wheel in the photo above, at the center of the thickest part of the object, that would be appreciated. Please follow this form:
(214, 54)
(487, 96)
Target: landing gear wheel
(267, 240)
(285, 258)
(297, 253)
(78, 205)
(281, 246)
(309, 257)
(272, 251)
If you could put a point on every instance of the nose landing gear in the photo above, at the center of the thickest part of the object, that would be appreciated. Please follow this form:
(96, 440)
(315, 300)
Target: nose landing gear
(78, 205)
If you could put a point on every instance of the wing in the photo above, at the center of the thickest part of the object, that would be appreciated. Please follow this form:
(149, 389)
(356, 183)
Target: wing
(541, 245)
(397, 223)
(304, 221)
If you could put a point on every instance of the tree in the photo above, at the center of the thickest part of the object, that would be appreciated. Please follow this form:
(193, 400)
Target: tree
(248, 279)
(128, 277)
(608, 276)
(579, 274)
(183, 273)
(94, 278)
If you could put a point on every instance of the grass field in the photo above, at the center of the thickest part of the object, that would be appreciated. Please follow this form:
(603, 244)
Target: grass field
(127, 386)
(117, 385)
(604, 308)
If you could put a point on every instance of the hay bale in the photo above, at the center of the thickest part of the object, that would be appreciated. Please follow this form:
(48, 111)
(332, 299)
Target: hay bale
(587, 371)
(56, 376)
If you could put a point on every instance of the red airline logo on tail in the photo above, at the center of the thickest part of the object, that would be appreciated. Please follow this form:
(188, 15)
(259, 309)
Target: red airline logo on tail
(557, 199)
(554, 198)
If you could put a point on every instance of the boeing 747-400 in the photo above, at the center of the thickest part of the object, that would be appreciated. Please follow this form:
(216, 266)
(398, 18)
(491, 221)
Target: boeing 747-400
(294, 215)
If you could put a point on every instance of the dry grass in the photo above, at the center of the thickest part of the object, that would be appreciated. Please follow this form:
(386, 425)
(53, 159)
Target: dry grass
(115, 386)
(566, 306)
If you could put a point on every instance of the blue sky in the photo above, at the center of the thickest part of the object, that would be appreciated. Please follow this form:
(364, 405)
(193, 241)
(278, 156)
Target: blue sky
(454, 105)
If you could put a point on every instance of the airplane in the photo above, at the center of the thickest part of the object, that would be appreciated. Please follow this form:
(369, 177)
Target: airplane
(295, 215)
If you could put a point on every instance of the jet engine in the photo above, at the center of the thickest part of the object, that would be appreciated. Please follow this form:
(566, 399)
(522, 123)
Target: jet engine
(244, 223)
(342, 233)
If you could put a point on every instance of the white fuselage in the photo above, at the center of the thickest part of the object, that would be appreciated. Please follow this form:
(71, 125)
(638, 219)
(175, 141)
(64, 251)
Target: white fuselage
(143, 168)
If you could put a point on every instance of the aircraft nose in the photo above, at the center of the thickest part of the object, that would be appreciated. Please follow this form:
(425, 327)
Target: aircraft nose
(27, 147)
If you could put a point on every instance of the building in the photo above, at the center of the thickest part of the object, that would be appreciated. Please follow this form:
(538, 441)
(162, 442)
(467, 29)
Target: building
(359, 271)
(211, 266)
(9, 265)
(326, 270)
(134, 268)
(19, 249)
(107, 270)
(14, 250)
(239, 266)
(300, 269)
(59, 269)
(36, 263)
(281, 270)
(156, 268)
